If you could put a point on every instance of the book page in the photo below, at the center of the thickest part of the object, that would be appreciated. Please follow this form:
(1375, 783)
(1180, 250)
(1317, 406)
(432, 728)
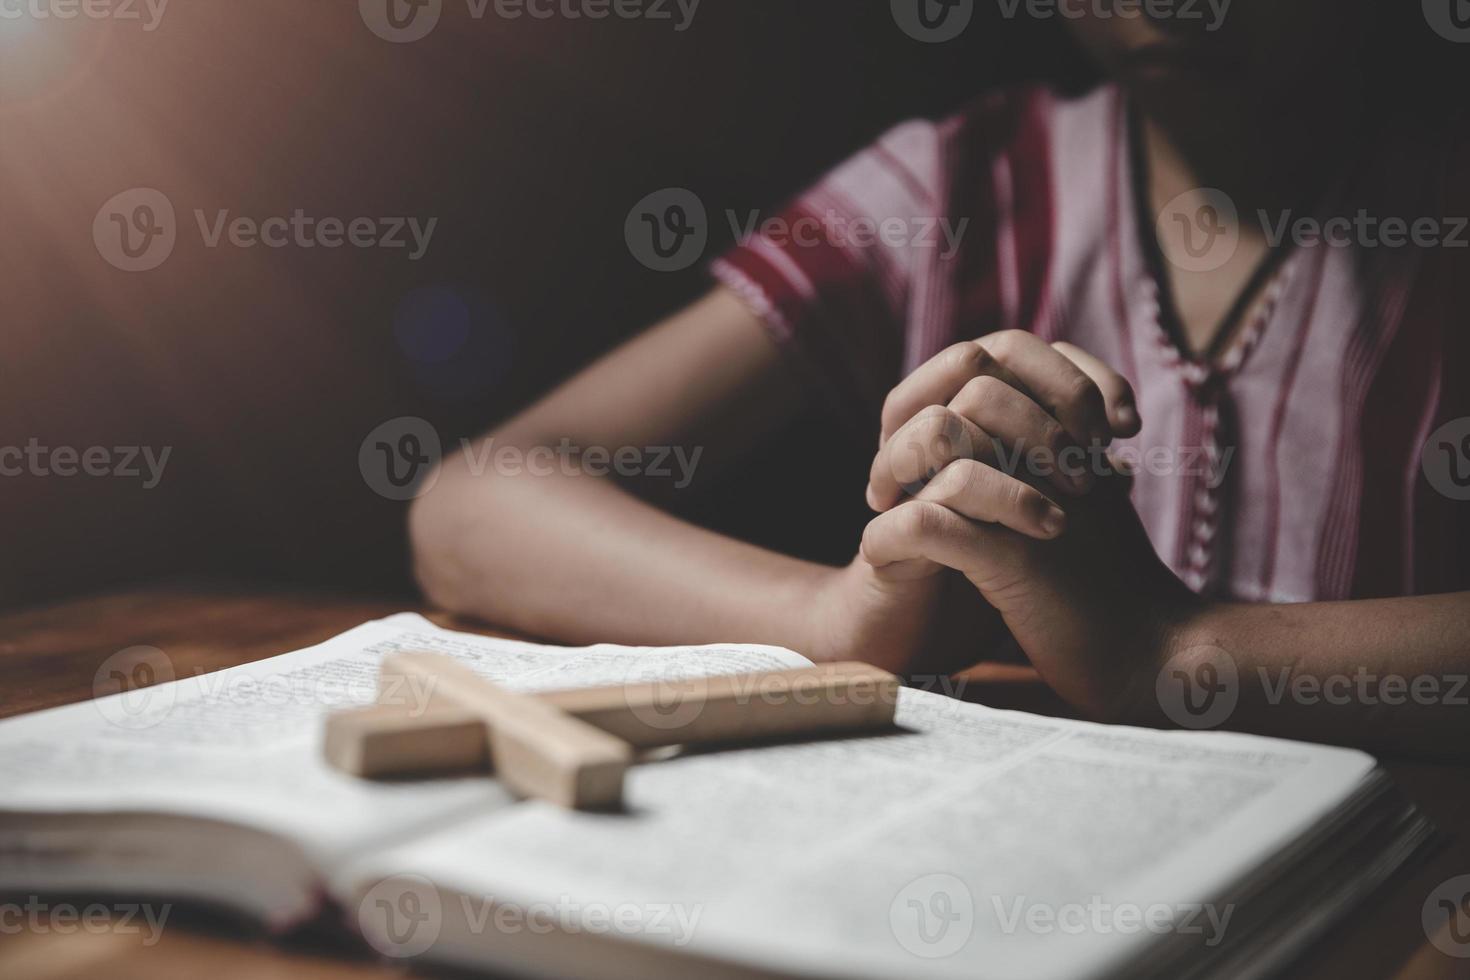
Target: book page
(976, 843)
(245, 744)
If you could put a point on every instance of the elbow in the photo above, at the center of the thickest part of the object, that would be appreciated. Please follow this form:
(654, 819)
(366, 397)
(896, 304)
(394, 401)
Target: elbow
(433, 536)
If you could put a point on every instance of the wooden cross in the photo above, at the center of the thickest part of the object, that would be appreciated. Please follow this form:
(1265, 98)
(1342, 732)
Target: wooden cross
(573, 747)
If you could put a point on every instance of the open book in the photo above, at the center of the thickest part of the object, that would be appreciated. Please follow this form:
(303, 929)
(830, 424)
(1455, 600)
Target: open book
(970, 843)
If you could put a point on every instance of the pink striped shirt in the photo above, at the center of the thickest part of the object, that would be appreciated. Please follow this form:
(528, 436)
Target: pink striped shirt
(1290, 470)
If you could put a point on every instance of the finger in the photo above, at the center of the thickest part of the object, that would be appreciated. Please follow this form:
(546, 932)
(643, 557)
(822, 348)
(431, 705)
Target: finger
(922, 447)
(1122, 405)
(1058, 385)
(1028, 434)
(936, 381)
(921, 531)
(983, 493)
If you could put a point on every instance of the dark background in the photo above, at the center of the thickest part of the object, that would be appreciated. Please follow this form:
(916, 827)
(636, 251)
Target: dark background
(529, 140)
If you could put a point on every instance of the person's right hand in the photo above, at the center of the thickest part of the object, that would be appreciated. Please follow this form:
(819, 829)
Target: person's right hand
(1025, 424)
(966, 414)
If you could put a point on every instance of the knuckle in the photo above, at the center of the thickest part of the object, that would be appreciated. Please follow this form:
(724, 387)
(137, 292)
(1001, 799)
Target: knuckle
(1053, 436)
(935, 423)
(1081, 392)
(982, 390)
(935, 415)
(921, 518)
(908, 519)
(1029, 501)
(1001, 344)
(1015, 495)
(956, 480)
(961, 358)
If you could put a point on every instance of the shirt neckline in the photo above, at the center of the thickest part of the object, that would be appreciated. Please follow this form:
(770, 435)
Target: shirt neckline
(1231, 345)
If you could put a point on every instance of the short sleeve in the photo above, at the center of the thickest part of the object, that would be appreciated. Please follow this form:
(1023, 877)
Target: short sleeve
(832, 274)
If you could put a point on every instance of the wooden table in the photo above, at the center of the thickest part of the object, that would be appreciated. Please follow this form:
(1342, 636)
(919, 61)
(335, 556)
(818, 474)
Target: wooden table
(48, 657)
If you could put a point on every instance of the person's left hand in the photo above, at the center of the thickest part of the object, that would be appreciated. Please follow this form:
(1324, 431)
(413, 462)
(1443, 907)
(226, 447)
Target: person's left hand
(1095, 610)
(1093, 607)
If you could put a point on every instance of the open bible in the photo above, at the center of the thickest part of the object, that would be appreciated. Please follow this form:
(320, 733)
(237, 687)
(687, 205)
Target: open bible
(970, 842)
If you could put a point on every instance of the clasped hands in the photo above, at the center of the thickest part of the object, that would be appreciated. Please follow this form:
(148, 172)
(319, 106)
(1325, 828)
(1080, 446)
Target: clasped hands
(992, 482)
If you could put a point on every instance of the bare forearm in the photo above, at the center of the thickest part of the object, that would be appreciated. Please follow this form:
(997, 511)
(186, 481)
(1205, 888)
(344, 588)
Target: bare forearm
(1387, 674)
(576, 558)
